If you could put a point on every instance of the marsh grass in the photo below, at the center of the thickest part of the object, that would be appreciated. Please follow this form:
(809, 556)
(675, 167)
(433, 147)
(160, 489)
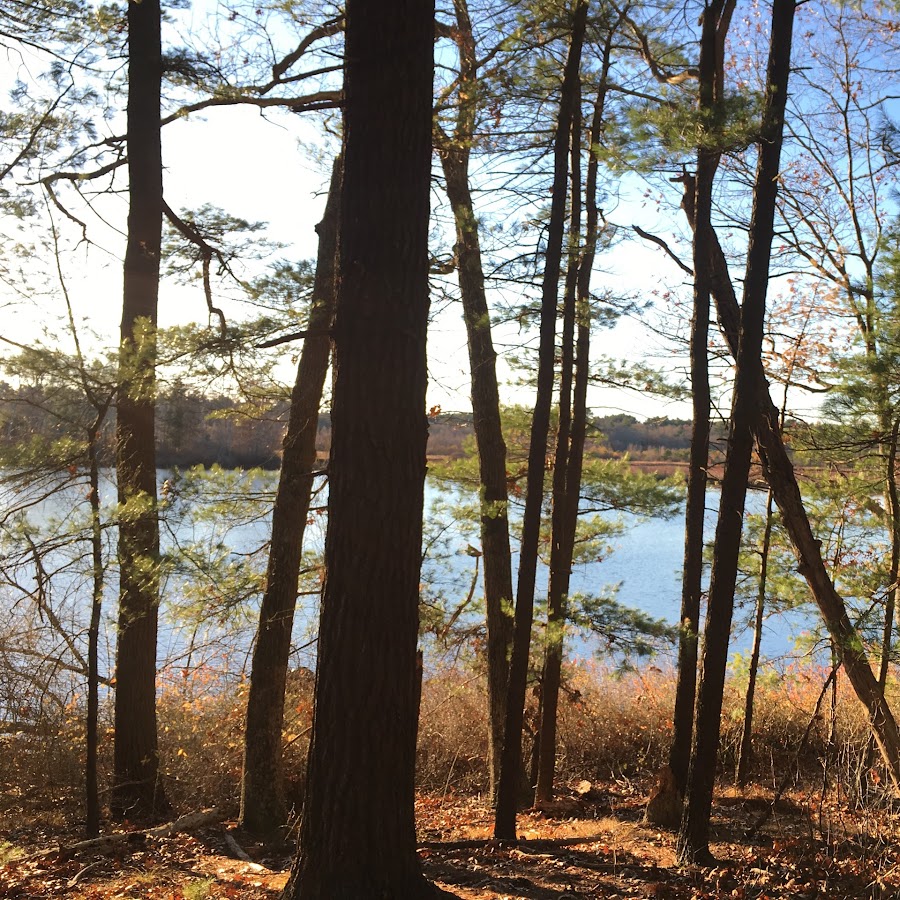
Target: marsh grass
(611, 726)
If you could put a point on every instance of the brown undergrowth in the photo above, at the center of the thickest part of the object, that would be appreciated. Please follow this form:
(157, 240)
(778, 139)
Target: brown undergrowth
(592, 844)
(833, 834)
(619, 725)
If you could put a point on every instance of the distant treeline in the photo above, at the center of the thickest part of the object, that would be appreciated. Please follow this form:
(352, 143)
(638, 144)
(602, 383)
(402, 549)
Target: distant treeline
(659, 438)
(654, 438)
(193, 428)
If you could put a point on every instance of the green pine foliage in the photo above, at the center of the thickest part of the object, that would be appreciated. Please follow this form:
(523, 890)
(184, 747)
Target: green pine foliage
(612, 496)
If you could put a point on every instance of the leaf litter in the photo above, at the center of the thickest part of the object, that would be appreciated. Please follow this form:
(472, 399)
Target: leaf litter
(587, 844)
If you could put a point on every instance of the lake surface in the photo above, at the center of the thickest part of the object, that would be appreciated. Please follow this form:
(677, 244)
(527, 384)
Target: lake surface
(646, 563)
(218, 530)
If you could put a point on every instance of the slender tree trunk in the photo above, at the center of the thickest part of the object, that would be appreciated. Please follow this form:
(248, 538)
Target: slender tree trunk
(263, 806)
(892, 509)
(893, 512)
(561, 542)
(485, 395)
(511, 758)
(535, 736)
(693, 837)
(716, 19)
(868, 327)
(831, 744)
(92, 792)
(779, 473)
(575, 459)
(498, 592)
(745, 752)
(92, 736)
(583, 312)
(357, 838)
(692, 577)
(583, 307)
(136, 787)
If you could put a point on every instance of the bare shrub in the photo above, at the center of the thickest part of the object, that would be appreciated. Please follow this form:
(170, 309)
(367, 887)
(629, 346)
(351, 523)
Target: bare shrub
(201, 722)
(452, 750)
(611, 725)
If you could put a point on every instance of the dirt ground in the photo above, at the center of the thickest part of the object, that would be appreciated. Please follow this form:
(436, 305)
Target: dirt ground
(590, 844)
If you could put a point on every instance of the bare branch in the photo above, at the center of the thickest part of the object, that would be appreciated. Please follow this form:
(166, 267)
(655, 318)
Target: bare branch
(662, 76)
(72, 218)
(293, 336)
(325, 30)
(661, 243)
(308, 102)
(82, 176)
(207, 252)
(32, 137)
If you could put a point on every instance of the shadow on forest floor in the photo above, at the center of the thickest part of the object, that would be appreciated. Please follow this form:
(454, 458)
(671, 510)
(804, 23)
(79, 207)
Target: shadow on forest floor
(580, 847)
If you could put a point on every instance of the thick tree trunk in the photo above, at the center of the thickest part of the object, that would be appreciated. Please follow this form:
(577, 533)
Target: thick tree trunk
(262, 788)
(136, 788)
(562, 542)
(511, 758)
(745, 751)
(498, 592)
(357, 838)
(693, 837)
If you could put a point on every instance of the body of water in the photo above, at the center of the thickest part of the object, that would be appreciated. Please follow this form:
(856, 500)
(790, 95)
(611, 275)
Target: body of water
(215, 531)
(644, 568)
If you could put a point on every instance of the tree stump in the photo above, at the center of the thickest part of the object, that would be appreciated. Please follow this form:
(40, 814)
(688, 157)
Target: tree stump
(664, 806)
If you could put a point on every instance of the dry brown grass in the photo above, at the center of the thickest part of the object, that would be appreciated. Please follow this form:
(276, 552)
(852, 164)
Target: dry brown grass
(610, 727)
(615, 725)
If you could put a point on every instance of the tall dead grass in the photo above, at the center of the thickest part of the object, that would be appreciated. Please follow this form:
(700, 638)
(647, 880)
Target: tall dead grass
(610, 726)
(615, 725)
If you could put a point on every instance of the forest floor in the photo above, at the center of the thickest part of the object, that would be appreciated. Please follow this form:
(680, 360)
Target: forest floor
(591, 844)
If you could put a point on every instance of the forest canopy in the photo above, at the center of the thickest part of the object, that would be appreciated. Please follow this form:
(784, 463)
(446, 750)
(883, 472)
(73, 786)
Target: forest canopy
(396, 398)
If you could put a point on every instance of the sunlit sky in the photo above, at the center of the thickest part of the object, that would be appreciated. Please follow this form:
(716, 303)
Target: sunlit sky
(219, 161)
(252, 166)
(260, 168)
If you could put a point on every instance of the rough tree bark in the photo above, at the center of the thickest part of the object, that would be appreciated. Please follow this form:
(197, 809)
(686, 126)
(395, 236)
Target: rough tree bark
(263, 807)
(779, 473)
(693, 836)
(511, 757)
(561, 542)
(136, 789)
(716, 20)
(357, 838)
(454, 151)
